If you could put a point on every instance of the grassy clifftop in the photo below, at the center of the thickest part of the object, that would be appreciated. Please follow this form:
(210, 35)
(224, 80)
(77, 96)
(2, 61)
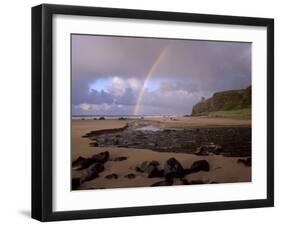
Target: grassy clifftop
(226, 101)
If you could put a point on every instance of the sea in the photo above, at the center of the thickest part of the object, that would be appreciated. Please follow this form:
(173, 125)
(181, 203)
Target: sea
(93, 117)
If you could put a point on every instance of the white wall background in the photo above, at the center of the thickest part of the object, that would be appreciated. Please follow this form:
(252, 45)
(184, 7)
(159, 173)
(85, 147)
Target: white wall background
(15, 113)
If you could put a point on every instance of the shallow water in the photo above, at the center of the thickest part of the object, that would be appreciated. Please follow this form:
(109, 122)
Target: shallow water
(149, 128)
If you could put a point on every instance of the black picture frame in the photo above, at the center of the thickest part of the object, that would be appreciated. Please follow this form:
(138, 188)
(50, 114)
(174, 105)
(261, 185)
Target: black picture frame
(42, 111)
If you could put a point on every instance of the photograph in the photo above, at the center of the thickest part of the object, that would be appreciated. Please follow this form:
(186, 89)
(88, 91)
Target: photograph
(149, 111)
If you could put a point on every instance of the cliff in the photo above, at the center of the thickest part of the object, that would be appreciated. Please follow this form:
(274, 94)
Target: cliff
(224, 101)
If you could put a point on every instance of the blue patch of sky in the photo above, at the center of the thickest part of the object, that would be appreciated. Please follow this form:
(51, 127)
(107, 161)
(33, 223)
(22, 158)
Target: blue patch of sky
(99, 84)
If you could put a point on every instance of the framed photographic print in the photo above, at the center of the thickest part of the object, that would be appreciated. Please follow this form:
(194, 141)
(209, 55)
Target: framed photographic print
(146, 112)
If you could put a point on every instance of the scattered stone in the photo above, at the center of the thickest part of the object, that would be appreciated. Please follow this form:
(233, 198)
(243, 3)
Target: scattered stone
(154, 163)
(94, 144)
(246, 162)
(142, 167)
(218, 149)
(75, 183)
(229, 142)
(93, 171)
(120, 158)
(79, 161)
(83, 163)
(173, 169)
(112, 176)
(151, 168)
(163, 183)
(209, 148)
(116, 142)
(196, 182)
(184, 181)
(153, 171)
(130, 176)
(202, 150)
(102, 157)
(201, 165)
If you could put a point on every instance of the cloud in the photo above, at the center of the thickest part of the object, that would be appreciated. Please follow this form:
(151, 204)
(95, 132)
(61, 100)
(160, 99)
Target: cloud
(180, 86)
(93, 107)
(119, 86)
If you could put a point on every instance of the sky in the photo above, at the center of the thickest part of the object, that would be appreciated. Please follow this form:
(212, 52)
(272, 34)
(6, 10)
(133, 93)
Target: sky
(149, 76)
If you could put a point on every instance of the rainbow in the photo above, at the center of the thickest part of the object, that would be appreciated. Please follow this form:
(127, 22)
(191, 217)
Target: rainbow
(147, 78)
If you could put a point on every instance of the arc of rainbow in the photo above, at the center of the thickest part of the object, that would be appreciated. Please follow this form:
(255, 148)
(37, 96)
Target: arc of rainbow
(147, 78)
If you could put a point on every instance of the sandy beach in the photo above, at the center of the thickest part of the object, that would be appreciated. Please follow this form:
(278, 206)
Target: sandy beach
(222, 169)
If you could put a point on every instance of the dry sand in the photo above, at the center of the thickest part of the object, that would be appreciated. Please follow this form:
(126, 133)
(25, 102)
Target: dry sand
(222, 169)
(199, 122)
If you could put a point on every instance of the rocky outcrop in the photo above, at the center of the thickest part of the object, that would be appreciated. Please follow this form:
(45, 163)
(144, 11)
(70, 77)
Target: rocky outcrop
(200, 165)
(151, 168)
(163, 183)
(173, 169)
(93, 172)
(82, 163)
(104, 131)
(246, 162)
(201, 141)
(130, 176)
(224, 101)
(209, 148)
(111, 176)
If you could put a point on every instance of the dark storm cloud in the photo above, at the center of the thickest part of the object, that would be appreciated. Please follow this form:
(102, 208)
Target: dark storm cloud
(82, 94)
(101, 56)
(187, 71)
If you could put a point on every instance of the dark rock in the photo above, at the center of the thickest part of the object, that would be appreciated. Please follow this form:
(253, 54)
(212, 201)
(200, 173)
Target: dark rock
(184, 181)
(130, 176)
(75, 183)
(202, 150)
(151, 168)
(121, 118)
(163, 183)
(233, 142)
(112, 176)
(142, 167)
(93, 171)
(173, 169)
(200, 165)
(102, 157)
(196, 182)
(154, 163)
(208, 148)
(246, 162)
(218, 149)
(101, 118)
(187, 171)
(116, 142)
(79, 161)
(97, 167)
(94, 144)
(153, 171)
(121, 158)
